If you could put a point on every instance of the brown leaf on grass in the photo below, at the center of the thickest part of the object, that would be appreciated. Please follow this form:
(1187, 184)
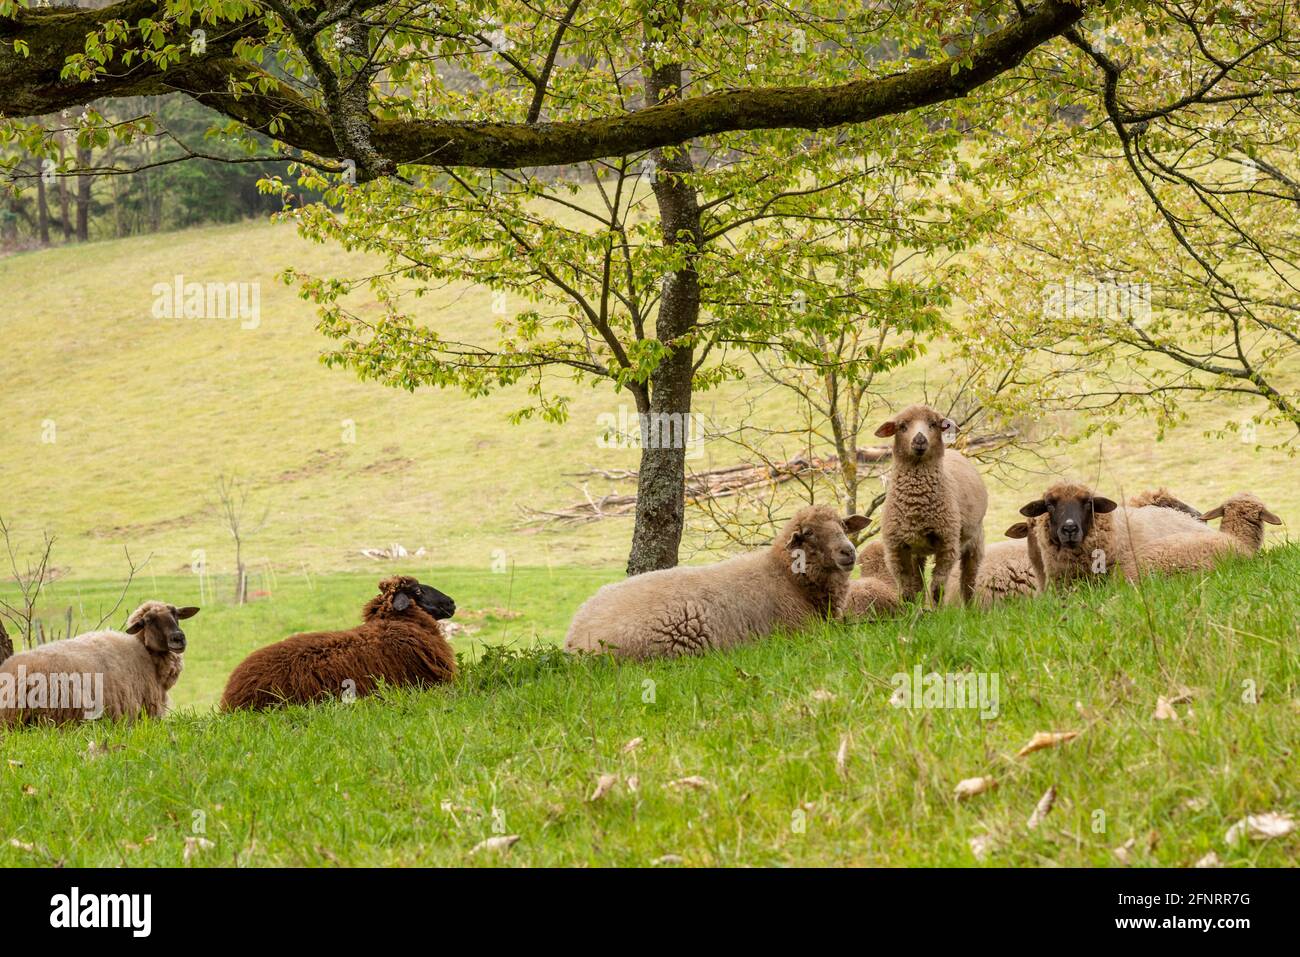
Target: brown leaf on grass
(1209, 860)
(29, 790)
(1184, 695)
(329, 855)
(842, 757)
(1260, 827)
(633, 783)
(1043, 808)
(633, 745)
(970, 787)
(982, 845)
(1164, 709)
(1124, 853)
(22, 845)
(1046, 739)
(821, 694)
(603, 785)
(502, 842)
(667, 860)
(694, 783)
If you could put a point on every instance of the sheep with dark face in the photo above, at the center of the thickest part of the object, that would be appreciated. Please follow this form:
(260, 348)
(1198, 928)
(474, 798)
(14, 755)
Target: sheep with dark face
(934, 505)
(399, 641)
(113, 674)
(801, 577)
(1080, 534)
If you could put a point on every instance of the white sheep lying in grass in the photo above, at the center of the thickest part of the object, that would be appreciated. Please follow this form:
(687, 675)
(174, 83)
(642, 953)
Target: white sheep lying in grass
(113, 674)
(801, 577)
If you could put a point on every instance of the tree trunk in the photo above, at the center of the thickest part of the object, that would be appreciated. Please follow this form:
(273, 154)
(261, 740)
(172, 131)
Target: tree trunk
(83, 196)
(42, 211)
(665, 431)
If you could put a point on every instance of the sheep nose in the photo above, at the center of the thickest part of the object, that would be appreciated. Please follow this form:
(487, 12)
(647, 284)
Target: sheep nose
(848, 556)
(920, 443)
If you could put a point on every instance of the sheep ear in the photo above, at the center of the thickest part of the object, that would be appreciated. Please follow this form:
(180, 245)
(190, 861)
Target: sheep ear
(947, 425)
(1216, 512)
(888, 429)
(1269, 517)
(1034, 508)
(1018, 530)
(136, 628)
(1103, 505)
(856, 523)
(187, 612)
(401, 601)
(796, 538)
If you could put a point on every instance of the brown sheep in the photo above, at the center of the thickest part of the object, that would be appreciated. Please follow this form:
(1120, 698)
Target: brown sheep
(399, 641)
(1243, 517)
(874, 593)
(934, 505)
(801, 577)
(113, 674)
(1163, 498)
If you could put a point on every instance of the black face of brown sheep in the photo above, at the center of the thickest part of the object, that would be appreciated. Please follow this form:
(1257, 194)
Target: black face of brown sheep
(428, 599)
(1069, 514)
(826, 543)
(918, 433)
(157, 626)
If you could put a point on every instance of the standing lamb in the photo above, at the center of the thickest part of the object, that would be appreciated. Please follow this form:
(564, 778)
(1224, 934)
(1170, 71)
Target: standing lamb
(399, 641)
(801, 577)
(115, 674)
(934, 505)
(1243, 517)
(874, 593)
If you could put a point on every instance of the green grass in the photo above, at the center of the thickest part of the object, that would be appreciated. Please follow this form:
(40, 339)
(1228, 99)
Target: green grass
(415, 777)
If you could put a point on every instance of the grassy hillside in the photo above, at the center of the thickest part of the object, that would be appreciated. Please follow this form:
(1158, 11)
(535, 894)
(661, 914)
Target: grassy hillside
(786, 751)
(145, 413)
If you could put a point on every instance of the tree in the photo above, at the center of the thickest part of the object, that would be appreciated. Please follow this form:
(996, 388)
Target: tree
(232, 510)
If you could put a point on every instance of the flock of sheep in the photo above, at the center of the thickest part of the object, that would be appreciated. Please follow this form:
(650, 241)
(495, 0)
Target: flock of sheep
(934, 510)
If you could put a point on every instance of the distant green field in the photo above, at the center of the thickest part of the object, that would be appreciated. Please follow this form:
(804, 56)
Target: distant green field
(783, 752)
(115, 425)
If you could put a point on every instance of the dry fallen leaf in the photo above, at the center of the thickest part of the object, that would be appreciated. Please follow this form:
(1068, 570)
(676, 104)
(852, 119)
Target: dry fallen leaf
(821, 694)
(633, 745)
(21, 845)
(1165, 710)
(1185, 694)
(1046, 739)
(842, 756)
(634, 783)
(603, 785)
(29, 790)
(982, 845)
(1124, 853)
(1260, 827)
(193, 845)
(969, 787)
(694, 782)
(1043, 808)
(1209, 860)
(500, 843)
(667, 859)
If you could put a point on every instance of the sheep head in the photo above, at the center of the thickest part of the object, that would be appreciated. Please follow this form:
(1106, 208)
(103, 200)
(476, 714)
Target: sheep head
(918, 433)
(1246, 514)
(1070, 509)
(816, 541)
(399, 593)
(157, 625)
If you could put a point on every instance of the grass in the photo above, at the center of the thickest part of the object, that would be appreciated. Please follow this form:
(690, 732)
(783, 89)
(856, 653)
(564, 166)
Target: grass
(518, 745)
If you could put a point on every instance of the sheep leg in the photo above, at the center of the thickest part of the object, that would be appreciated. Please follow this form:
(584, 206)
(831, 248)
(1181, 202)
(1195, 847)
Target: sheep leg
(970, 566)
(944, 559)
(904, 565)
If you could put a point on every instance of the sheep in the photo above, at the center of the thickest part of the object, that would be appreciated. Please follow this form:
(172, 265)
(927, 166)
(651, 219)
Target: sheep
(1165, 499)
(934, 505)
(1243, 517)
(116, 674)
(874, 592)
(399, 640)
(1006, 569)
(1084, 534)
(802, 576)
